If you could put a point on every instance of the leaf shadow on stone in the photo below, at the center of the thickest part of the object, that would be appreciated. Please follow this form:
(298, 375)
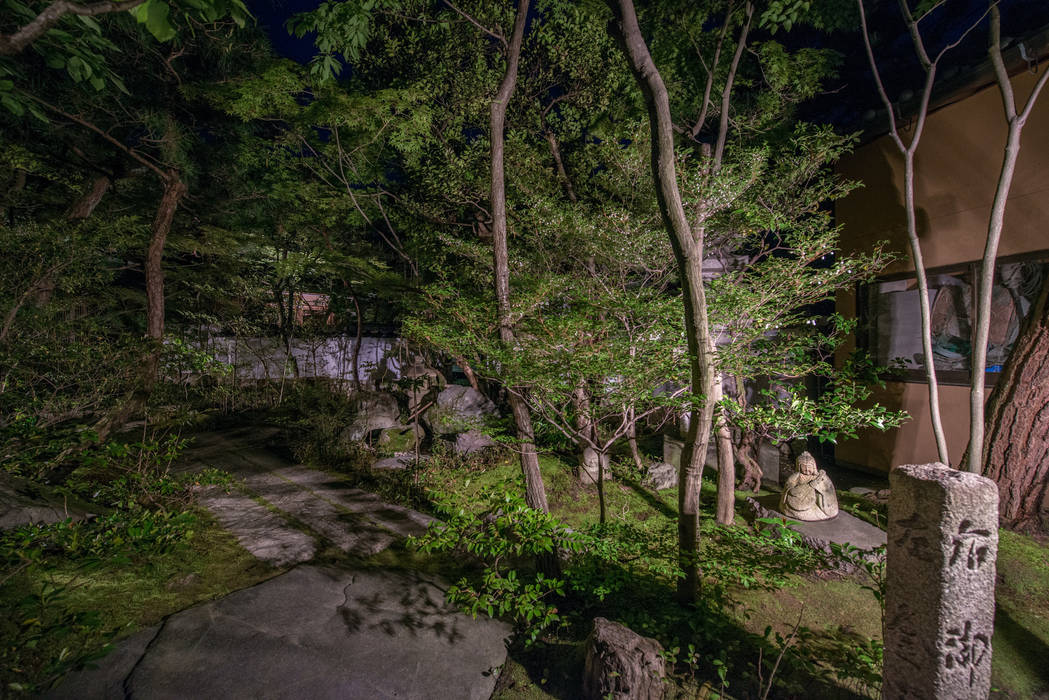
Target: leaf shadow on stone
(417, 609)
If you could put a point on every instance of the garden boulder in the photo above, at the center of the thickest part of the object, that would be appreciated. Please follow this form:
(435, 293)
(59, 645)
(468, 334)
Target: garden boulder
(661, 476)
(472, 442)
(373, 411)
(25, 503)
(458, 409)
(621, 664)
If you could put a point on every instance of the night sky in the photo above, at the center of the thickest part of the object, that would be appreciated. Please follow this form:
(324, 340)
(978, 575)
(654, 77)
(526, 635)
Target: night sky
(851, 97)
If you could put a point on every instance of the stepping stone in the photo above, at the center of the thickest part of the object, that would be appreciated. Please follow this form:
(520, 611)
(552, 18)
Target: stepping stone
(314, 633)
(844, 528)
(398, 519)
(259, 530)
(353, 535)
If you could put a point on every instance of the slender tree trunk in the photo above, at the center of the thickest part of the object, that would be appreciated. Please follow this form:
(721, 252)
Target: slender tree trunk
(688, 251)
(174, 191)
(602, 460)
(562, 174)
(1016, 121)
(1017, 441)
(471, 376)
(726, 498)
(358, 339)
(925, 310)
(631, 438)
(535, 492)
(907, 151)
(45, 281)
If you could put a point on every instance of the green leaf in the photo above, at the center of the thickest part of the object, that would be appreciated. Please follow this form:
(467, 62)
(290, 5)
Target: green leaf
(12, 105)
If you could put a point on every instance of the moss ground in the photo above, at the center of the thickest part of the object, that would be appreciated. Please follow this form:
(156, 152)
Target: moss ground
(837, 614)
(53, 621)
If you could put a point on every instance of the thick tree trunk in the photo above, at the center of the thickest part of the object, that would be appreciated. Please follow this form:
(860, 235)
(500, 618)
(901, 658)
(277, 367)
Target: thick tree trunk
(535, 492)
(1016, 447)
(688, 250)
(85, 205)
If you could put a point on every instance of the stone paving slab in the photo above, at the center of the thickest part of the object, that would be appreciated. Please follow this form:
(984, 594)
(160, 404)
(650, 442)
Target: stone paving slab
(313, 633)
(398, 519)
(258, 529)
(841, 529)
(355, 521)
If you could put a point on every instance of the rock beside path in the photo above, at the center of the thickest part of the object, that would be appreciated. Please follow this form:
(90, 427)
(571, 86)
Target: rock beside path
(458, 409)
(23, 503)
(310, 633)
(621, 664)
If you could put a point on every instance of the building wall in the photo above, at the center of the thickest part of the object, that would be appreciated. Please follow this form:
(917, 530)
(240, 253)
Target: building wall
(957, 167)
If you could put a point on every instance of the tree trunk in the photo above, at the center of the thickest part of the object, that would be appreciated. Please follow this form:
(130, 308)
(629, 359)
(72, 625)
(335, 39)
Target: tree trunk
(1016, 121)
(1016, 446)
(907, 152)
(688, 252)
(85, 205)
(747, 454)
(631, 438)
(471, 376)
(726, 498)
(358, 339)
(535, 492)
(174, 191)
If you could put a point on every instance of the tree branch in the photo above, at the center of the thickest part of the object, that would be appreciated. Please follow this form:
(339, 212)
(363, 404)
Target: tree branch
(495, 35)
(12, 44)
(130, 152)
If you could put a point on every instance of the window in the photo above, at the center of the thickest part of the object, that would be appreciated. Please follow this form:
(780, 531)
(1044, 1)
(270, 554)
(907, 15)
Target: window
(890, 318)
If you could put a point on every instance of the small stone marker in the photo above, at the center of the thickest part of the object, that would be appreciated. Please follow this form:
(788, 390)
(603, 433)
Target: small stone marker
(939, 597)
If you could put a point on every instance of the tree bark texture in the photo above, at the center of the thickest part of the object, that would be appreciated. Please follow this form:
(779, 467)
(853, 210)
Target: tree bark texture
(688, 252)
(725, 513)
(85, 205)
(174, 191)
(535, 492)
(1016, 446)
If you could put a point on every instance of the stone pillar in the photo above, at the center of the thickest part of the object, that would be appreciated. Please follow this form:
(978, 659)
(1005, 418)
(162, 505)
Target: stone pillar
(939, 594)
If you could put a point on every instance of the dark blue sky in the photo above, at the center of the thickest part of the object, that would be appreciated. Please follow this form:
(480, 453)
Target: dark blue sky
(853, 93)
(272, 14)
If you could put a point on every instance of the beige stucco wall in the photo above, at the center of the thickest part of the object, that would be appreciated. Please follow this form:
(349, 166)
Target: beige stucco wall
(957, 166)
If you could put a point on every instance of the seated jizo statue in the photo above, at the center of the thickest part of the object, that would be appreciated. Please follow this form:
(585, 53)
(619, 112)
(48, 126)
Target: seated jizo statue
(808, 493)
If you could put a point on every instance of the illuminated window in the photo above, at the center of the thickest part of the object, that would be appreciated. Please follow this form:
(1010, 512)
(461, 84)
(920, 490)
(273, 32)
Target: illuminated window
(890, 317)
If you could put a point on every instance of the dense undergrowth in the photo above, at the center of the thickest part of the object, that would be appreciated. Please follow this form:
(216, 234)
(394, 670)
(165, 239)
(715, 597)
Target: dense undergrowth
(133, 550)
(774, 619)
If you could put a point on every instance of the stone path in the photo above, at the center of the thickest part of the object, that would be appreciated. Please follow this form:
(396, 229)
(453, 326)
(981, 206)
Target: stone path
(283, 512)
(314, 631)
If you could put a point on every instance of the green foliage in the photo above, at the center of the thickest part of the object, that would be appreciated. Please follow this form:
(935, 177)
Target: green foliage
(503, 537)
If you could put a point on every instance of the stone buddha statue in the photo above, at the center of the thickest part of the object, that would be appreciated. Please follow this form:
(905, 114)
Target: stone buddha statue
(808, 493)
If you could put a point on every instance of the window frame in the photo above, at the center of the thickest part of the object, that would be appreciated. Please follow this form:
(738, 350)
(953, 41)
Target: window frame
(945, 377)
